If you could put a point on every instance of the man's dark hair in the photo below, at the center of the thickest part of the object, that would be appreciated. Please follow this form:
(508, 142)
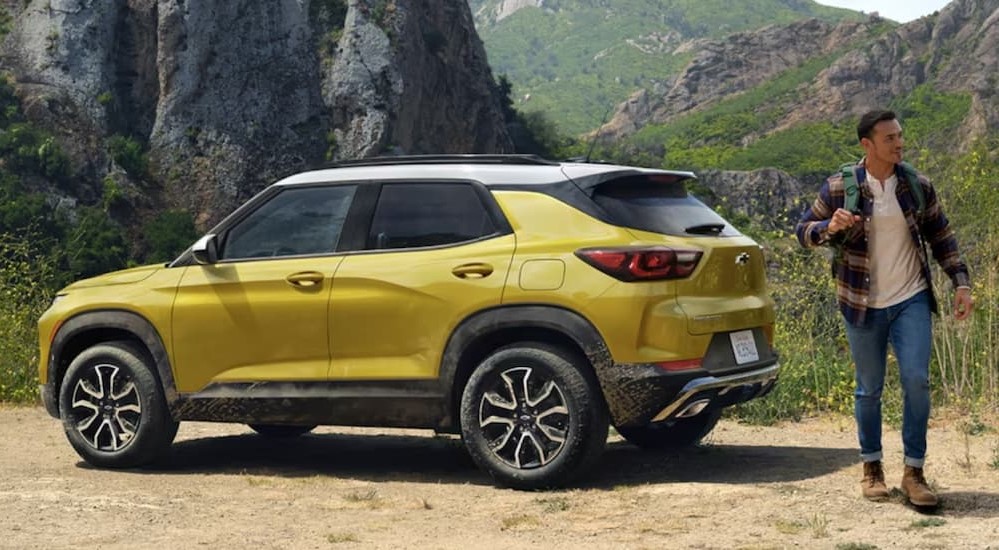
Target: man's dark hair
(870, 118)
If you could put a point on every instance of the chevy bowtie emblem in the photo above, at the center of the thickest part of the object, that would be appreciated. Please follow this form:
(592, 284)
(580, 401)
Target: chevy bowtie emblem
(742, 259)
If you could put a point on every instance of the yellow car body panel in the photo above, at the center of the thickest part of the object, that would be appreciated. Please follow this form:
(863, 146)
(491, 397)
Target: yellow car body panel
(152, 300)
(246, 322)
(378, 296)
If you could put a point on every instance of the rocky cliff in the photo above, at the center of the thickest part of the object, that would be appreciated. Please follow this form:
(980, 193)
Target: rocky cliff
(954, 50)
(227, 95)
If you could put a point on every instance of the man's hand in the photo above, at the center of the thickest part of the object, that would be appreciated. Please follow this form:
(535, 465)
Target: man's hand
(963, 304)
(840, 220)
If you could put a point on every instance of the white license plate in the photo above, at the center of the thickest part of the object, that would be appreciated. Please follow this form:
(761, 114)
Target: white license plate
(744, 346)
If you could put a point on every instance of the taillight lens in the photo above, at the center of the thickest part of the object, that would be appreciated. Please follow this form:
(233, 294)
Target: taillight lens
(674, 366)
(642, 263)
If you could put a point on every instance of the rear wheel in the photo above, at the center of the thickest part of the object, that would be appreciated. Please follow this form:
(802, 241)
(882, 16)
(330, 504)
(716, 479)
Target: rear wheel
(112, 407)
(683, 432)
(532, 418)
(280, 431)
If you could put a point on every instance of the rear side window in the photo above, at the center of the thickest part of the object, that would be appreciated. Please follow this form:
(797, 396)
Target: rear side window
(414, 215)
(659, 207)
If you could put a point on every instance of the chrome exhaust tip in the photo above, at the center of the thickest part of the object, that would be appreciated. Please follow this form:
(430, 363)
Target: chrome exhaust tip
(694, 408)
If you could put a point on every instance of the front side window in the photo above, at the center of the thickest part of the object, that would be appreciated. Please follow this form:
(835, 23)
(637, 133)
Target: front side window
(413, 215)
(296, 221)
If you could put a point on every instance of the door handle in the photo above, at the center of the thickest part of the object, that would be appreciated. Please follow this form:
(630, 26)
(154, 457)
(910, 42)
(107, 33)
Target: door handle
(305, 279)
(472, 271)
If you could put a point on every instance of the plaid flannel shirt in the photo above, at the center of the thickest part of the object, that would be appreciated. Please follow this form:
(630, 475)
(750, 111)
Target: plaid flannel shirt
(851, 264)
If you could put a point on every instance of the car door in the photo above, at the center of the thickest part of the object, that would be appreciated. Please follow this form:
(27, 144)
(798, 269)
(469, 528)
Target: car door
(435, 253)
(261, 312)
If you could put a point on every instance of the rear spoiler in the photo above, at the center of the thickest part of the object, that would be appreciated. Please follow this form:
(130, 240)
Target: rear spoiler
(588, 182)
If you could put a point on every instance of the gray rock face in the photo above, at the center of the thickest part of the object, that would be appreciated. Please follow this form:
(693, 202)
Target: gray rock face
(231, 94)
(239, 98)
(770, 196)
(413, 79)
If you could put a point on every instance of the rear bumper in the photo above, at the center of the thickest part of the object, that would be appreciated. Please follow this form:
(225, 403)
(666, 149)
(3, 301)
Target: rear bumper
(711, 391)
(640, 394)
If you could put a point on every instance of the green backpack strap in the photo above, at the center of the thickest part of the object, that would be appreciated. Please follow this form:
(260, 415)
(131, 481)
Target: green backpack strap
(912, 178)
(851, 192)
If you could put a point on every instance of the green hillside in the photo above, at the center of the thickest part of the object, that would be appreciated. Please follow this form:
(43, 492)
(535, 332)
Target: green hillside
(575, 59)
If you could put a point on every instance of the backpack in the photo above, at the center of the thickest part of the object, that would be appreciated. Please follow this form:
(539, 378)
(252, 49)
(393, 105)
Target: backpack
(851, 191)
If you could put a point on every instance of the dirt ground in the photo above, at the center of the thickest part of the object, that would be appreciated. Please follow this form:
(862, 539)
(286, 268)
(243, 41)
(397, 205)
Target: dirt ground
(792, 485)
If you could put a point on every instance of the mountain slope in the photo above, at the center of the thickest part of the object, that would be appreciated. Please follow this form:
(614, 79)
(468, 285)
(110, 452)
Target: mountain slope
(575, 59)
(747, 90)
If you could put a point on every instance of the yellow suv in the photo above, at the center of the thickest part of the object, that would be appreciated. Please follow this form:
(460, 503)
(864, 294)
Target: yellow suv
(523, 303)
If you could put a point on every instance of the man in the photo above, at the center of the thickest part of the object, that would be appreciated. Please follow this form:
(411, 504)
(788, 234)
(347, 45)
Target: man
(884, 290)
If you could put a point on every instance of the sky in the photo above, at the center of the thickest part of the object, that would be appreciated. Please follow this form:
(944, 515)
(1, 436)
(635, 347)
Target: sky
(902, 11)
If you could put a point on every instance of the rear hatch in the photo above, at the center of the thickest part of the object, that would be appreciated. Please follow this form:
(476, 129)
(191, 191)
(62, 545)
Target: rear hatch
(727, 291)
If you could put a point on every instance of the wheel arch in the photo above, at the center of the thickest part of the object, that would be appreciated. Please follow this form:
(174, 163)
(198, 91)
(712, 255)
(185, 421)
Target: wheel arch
(95, 327)
(484, 332)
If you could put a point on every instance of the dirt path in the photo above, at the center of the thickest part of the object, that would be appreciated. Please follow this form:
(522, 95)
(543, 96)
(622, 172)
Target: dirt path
(224, 487)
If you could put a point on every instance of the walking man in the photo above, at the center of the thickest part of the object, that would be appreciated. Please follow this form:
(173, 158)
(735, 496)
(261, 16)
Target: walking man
(884, 289)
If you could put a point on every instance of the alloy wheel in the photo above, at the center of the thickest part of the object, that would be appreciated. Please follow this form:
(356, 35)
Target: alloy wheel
(106, 409)
(524, 418)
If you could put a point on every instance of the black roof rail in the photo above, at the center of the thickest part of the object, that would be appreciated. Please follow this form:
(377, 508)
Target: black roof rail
(444, 159)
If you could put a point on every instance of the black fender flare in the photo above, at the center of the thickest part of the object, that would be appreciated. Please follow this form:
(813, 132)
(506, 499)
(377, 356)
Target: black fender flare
(109, 320)
(479, 326)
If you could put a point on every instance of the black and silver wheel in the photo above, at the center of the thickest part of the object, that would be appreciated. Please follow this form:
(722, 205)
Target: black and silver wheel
(682, 432)
(112, 407)
(281, 431)
(532, 418)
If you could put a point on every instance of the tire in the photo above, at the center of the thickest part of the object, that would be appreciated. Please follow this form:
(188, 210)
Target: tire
(683, 432)
(113, 409)
(532, 418)
(281, 431)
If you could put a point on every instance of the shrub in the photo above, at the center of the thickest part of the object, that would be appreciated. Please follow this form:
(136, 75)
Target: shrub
(129, 154)
(168, 234)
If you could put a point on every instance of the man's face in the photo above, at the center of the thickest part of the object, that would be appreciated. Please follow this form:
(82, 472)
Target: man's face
(885, 143)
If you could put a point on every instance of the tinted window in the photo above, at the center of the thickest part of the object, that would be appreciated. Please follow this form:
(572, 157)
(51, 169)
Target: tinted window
(295, 221)
(410, 215)
(664, 208)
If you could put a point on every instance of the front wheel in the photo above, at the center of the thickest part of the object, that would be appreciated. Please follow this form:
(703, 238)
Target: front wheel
(532, 418)
(112, 407)
(682, 432)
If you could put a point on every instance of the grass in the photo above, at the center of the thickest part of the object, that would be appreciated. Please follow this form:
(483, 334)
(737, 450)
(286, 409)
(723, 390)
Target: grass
(925, 523)
(553, 504)
(338, 538)
(519, 521)
(789, 527)
(368, 499)
(819, 525)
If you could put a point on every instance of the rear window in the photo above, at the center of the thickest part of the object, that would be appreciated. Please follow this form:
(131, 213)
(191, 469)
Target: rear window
(659, 206)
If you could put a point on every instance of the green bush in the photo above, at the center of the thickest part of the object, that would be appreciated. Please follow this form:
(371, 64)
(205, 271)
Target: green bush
(95, 245)
(26, 149)
(28, 276)
(129, 154)
(168, 234)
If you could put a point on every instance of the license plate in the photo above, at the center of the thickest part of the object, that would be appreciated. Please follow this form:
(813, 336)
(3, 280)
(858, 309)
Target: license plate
(744, 346)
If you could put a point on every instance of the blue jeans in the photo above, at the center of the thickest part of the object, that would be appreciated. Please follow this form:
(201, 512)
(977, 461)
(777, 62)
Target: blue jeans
(908, 326)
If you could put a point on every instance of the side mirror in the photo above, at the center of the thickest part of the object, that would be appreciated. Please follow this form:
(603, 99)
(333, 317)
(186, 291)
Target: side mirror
(206, 250)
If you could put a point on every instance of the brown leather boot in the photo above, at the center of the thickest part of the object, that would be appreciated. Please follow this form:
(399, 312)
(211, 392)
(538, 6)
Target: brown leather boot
(915, 488)
(873, 484)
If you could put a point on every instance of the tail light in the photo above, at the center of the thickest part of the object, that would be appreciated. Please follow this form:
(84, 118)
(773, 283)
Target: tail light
(674, 366)
(642, 263)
